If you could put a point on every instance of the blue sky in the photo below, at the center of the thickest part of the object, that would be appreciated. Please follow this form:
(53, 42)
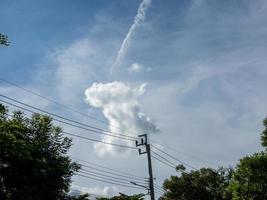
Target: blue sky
(203, 62)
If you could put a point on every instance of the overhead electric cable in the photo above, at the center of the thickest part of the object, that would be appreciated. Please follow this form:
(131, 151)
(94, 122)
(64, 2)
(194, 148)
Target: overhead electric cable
(105, 177)
(90, 139)
(157, 191)
(59, 104)
(110, 182)
(159, 188)
(163, 162)
(121, 173)
(94, 140)
(64, 118)
(51, 100)
(115, 177)
(64, 122)
(166, 160)
(112, 172)
(173, 157)
(81, 113)
(177, 151)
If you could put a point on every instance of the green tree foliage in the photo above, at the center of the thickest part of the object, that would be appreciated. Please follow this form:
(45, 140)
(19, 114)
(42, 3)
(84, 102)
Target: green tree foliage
(203, 184)
(264, 134)
(124, 197)
(250, 178)
(4, 40)
(247, 181)
(33, 158)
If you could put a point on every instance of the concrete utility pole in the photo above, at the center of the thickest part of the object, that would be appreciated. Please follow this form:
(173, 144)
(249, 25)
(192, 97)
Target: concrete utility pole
(142, 143)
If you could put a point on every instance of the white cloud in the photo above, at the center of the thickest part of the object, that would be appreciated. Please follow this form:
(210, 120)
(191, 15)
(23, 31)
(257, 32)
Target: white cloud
(70, 69)
(139, 18)
(102, 191)
(119, 103)
(135, 67)
(71, 72)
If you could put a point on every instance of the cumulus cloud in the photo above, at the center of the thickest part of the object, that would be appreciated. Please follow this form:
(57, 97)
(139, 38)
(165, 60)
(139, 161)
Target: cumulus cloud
(119, 103)
(101, 191)
(139, 18)
(135, 67)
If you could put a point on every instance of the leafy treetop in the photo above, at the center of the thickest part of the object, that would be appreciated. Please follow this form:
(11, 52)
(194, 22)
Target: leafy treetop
(4, 40)
(33, 158)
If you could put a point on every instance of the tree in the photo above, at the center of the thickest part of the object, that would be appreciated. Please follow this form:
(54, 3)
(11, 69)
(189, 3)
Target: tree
(33, 158)
(124, 197)
(4, 40)
(202, 184)
(250, 176)
(264, 134)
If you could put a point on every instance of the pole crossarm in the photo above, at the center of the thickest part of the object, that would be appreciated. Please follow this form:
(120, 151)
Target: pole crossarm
(144, 142)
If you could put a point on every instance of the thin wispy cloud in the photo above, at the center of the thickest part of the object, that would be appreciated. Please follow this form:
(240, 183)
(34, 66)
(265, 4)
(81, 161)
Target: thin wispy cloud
(139, 18)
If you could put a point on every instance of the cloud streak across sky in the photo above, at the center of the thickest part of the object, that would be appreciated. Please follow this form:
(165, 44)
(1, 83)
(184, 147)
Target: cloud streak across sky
(139, 18)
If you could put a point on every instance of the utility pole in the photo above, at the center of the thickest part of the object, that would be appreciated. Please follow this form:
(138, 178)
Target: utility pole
(147, 151)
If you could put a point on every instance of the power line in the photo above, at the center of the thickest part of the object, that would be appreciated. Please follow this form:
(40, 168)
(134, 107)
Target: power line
(115, 177)
(94, 140)
(157, 191)
(91, 131)
(51, 100)
(75, 110)
(163, 162)
(159, 188)
(173, 157)
(114, 173)
(118, 180)
(25, 109)
(82, 127)
(56, 115)
(82, 137)
(166, 160)
(57, 103)
(64, 118)
(121, 173)
(105, 177)
(110, 182)
(178, 151)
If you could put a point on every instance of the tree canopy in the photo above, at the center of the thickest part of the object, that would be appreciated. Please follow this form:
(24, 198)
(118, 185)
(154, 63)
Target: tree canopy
(264, 134)
(34, 165)
(202, 184)
(250, 176)
(4, 40)
(33, 158)
(248, 180)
